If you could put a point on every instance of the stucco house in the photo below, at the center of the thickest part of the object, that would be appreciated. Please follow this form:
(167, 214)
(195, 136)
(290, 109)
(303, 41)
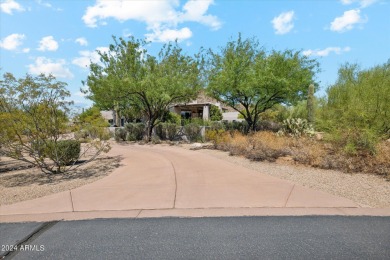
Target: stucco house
(110, 116)
(200, 108)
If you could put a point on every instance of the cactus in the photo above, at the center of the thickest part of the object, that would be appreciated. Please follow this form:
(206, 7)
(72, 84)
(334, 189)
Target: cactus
(310, 105)
(296, 127)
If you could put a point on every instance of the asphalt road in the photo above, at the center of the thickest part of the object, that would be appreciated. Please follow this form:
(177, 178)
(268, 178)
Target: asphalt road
(306, 237)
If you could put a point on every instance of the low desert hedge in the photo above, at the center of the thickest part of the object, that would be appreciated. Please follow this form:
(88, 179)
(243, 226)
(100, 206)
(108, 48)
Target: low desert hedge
(325, 154)
(62, 152)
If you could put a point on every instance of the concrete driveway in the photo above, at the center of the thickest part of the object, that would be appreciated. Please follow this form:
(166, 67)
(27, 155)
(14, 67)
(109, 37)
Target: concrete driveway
(157, 181)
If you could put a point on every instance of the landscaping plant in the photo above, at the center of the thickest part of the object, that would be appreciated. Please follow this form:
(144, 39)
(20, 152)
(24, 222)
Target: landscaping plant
(35, 125)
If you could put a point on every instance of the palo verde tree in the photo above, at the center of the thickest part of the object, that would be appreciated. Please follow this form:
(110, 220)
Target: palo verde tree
(149, 84)
(250, 80)
(91, 124)
(34, 123)
(359, 100)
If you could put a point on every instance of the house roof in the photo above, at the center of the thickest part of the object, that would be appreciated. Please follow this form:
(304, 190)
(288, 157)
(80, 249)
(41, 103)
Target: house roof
(204, 99)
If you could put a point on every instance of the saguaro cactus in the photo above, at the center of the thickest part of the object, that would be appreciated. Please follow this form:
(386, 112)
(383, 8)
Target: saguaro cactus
(310, 105)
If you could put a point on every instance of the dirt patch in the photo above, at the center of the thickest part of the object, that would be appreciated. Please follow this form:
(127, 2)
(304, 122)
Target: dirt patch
(19, 182)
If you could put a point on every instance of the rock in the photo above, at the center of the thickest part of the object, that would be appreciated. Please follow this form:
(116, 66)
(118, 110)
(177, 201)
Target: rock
(319, 136)
(196, 145)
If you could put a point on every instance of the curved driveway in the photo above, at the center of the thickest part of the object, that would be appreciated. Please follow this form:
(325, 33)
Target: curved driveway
(171, 181)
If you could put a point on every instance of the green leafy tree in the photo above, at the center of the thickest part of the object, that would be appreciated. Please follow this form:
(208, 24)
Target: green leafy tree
(245, 77)
(147, 83)
(358, 102)
(91, 124)
(34, 123)
(92, 116)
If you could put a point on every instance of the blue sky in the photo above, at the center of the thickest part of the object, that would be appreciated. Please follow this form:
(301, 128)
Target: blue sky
(61, 36)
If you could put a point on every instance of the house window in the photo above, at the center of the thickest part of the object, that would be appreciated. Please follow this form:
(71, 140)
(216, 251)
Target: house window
(185, 114)
(200, 112)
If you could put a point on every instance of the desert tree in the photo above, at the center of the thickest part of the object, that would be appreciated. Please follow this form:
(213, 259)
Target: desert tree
(34, 116)
(359, 99)
(250, 80)
(149, 84)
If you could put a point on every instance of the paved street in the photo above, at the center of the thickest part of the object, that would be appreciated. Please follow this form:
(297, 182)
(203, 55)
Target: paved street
(305, 237)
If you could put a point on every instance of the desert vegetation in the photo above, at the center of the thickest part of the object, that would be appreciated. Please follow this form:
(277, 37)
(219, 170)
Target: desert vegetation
(36, 127)
(273, 92)
(349, 130)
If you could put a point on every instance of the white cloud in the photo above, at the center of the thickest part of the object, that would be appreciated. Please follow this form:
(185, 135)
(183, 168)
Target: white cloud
(284, 22)
(169, 35)
(9, 6)
(82, 41)
(26, 50)
(195, 11)
(12, 41)
(325, 52)
(160, 16)
(48, 44)
(347, 2)
(86, 57)
(47, 66)
(362, 3)
(365, 3)
(45, 4)
(346, 21)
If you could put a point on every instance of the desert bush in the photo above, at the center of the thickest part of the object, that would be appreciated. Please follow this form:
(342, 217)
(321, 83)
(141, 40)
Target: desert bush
(192, 131)
(311, 152)
(235, 126)
(63, 152)
(267, 125)
(167, 131)
(267, 146)
(216, 136)
(155, 139)
(216, 126)
(382, 159)
(120, 134)
(81, 135)
(354, 141)
(238, 145)
(135, 131)
(159, 131)
(171, 130)
(92, 132)
(325, 154)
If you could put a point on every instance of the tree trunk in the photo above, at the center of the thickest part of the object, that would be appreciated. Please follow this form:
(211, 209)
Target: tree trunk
(117, 118)
(250, 125)
(149, 130)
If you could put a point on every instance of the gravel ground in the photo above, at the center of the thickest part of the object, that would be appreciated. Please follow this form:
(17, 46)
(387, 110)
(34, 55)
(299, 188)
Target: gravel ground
(30, 183)
(365, 189)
